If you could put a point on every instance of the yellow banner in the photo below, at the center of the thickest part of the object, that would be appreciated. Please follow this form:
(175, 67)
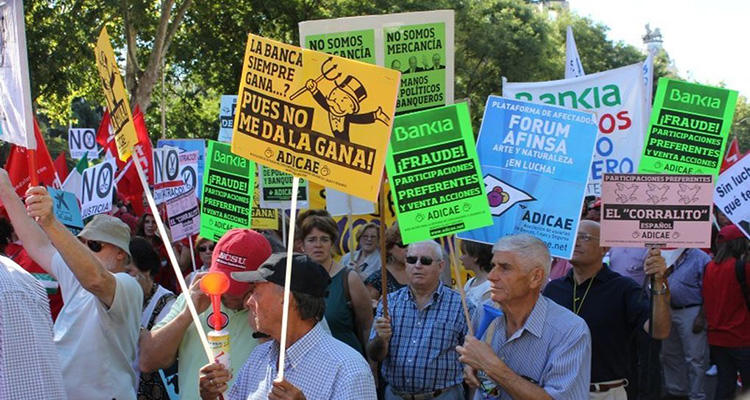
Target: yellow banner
(323, 118)
(117, 97)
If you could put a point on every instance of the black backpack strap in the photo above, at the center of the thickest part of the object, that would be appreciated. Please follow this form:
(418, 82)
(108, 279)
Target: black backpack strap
(739, 271)
(163, 300)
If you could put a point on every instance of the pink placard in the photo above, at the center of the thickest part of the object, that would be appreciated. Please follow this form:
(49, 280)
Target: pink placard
(640, 210)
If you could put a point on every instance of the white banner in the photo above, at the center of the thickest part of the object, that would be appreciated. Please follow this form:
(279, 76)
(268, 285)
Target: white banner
(166, 173)
(97, 184)
(617, 98)
(82, 141)
(184, 215)
(732, 194)
(340, 204)
(16, 118)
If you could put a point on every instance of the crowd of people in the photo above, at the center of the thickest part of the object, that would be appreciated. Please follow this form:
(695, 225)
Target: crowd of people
(606, 324)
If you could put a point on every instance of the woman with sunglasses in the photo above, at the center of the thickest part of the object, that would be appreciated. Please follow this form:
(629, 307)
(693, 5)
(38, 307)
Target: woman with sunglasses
(366, 259)
(348, 309)
(204, 250)
(395, 266)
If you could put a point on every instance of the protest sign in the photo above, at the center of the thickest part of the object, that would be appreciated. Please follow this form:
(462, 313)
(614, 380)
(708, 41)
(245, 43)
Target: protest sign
(276, 189)
(226, 117)
(339, 203)
(16, 114)
(659, 210)
(187, 145)
(118, 104)
(419, 44)
(263, 218)
(535, 159)
(166, 173)
(82, 141)
(66, 209)
(97, 184)
(184, 216)
(617, 98)
(316, 116)
(228, 184)
(732, 194)
(689, 128)
(434, 172)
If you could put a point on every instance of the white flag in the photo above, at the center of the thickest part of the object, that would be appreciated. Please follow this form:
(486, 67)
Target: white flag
(648, 78)
(573, 66)
(16, 123)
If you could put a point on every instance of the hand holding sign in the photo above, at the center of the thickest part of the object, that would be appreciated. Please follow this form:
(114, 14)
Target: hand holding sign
(39, 206)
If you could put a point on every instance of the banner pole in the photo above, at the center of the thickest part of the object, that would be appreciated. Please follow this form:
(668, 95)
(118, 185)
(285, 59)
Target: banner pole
(192, 251)
(459, 283)
(288, 278)
(173, 258)
(383, 258)
(31, 158)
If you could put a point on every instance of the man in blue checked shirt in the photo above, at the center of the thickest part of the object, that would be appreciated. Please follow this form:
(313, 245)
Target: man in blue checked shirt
(417, 341)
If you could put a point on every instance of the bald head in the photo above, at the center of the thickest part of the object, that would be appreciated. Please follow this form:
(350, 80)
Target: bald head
(587, 251)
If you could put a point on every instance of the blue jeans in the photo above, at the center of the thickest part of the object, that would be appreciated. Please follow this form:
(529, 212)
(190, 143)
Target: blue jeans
(729, 361)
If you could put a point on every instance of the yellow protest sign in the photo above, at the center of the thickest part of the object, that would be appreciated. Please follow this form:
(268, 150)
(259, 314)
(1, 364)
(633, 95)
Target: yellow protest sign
(263, 218)
(117, 97)
(320, 117)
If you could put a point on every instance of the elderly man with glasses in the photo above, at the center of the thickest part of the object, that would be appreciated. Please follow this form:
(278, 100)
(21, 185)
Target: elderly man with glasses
(96, 331)
(417, 341)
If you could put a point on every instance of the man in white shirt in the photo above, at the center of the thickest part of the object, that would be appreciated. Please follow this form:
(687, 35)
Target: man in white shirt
(96, 331)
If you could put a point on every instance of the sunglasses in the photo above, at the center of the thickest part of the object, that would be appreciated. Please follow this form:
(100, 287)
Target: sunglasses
(201, 249)
(423, 260)
(401, 245)
(94, 245)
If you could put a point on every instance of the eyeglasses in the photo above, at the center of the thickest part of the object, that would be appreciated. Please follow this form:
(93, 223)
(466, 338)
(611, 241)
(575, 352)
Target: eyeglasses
(422, 260)
(94, 245)
(321, 239)
(369, 237)
(201, 249)
(585, 237)
(401, 245)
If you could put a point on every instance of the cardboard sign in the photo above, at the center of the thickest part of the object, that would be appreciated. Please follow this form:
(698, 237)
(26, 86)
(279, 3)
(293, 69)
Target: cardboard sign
(187, 145)
(184, 215)
(228, 185)
(732, 194)
(118, 104)
(689, 127)
(656, 210)
(617, 97)
(339, 203)
(97, 184)
(226, 117)
(535, 161)
(434, 172)
(263, 218)
(82, 141)
(66, 209)
(167, 176)
(419, 44)
(276, 189)
(316, 116)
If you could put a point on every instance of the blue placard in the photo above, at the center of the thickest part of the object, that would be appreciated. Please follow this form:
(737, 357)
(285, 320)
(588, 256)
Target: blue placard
(66, 209)
(535, 161)
(226, 117)
(184, 145)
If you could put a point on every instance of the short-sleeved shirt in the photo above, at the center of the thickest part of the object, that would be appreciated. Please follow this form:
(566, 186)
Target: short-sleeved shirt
(552, 350)
(317, 364)
(369, 265)
(726, 312)
(613, 309)
(191, 354)
(422, 353)
(96, 344)
(628, 262)
(686, 278)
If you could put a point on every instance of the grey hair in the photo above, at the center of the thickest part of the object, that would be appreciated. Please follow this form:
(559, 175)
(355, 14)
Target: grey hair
(531, 251)
(437, 249)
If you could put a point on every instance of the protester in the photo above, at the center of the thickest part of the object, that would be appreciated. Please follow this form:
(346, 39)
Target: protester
(29, 366)
(316, 365)
(348, 308)
(477, 258)
(536, 349)
(613, 308)
(175, 337)
(204, 248)
(147, 229)
(594, 211)
(157, 301)
(395, 266)
(366, 259)
(97, 330)
(727, 309)
(425, 323)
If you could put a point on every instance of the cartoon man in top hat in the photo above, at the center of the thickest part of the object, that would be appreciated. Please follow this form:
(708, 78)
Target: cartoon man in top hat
(343, 103)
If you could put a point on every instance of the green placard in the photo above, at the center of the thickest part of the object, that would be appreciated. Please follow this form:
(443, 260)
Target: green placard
(228, 188)
(354, 45)
(434, 174)
(688, 130)
(276, 189)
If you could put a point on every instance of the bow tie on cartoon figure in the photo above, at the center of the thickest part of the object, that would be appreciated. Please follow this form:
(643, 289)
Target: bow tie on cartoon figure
(342, 102)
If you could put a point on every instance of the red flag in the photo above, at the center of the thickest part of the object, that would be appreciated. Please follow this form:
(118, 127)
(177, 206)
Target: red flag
(17, 165)
(61, 166)
(731, 156)
(129, 184)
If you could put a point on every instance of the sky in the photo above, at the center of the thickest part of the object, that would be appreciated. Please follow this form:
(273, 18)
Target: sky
(707, 40)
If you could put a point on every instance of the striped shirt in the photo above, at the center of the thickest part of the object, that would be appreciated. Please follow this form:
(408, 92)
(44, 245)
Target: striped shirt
(422, 353)
(317, 364)
(29, 366)
(552, 350)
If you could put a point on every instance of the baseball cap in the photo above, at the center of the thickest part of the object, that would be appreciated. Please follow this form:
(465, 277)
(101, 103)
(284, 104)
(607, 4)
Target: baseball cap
(237, 251)
(729, 232)
(308, 276)
(108, 229)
